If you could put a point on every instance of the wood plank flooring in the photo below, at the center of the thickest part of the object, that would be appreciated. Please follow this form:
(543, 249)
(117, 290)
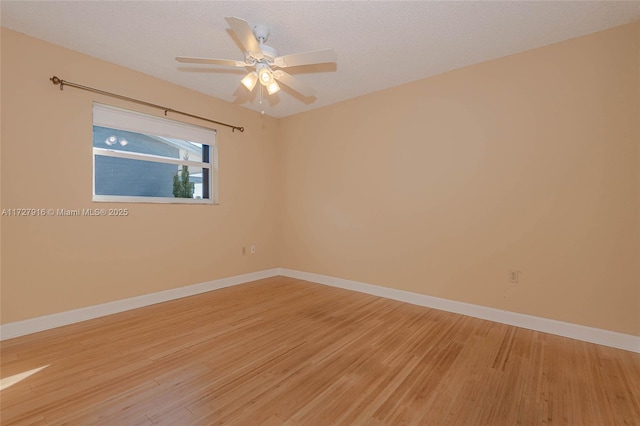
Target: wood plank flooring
(284, 351)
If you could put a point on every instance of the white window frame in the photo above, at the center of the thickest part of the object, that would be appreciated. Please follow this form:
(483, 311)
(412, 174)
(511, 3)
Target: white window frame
(122, 119)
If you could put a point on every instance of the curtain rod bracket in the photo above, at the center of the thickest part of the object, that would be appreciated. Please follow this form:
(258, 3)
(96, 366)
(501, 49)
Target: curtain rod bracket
(58, 81)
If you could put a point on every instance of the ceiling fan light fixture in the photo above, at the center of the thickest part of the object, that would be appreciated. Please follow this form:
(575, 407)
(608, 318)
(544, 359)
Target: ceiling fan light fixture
(265, 76)
(250, 80)
(273, 87)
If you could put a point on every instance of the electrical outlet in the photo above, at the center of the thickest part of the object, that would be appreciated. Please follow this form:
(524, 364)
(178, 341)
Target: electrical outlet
(244, 251)
(253, 249)
(514, 276)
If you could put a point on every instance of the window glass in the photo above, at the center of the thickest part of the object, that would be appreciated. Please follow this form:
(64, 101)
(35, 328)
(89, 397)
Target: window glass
(151, 166)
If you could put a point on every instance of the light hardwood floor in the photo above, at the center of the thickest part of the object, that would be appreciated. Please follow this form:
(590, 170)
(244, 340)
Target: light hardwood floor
(284, 351)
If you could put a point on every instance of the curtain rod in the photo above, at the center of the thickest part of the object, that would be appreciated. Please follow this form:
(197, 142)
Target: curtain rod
(58, 81)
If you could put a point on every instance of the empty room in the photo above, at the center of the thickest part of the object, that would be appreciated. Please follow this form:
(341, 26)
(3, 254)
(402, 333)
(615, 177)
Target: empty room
(320, 213)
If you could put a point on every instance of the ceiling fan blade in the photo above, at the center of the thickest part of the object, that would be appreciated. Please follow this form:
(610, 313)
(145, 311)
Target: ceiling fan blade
(210, 61)
(246, 37)
(294, 83)
(306, 58)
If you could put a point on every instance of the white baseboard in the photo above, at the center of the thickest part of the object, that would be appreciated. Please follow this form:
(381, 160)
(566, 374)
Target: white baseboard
(33, 325)
(575, 331)
(579, 332)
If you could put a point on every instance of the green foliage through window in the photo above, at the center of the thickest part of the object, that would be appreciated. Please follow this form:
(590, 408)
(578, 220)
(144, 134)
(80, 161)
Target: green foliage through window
(182, 188)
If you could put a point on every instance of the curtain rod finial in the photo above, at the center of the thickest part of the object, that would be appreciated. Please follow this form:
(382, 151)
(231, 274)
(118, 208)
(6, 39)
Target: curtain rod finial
(57, 81)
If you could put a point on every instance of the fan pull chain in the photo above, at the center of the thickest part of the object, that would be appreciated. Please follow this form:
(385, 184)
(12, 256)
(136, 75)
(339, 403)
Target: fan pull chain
(261, 110)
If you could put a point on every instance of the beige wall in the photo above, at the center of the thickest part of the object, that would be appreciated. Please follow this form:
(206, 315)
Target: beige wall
(53, 264)
(528, 162)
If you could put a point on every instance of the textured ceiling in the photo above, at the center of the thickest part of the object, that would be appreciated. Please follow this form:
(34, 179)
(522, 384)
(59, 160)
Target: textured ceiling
(379, 44)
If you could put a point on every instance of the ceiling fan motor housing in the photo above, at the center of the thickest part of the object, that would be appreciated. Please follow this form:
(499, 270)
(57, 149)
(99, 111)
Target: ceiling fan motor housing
(269, 52)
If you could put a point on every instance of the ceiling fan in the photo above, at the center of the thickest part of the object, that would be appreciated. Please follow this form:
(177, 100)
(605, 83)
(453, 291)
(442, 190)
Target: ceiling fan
(264, 59)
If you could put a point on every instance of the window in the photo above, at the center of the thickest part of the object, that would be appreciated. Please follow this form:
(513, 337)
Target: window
(144, 158)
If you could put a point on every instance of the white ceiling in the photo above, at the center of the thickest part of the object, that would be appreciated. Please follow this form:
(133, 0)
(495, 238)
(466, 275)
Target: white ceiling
(379, 44)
